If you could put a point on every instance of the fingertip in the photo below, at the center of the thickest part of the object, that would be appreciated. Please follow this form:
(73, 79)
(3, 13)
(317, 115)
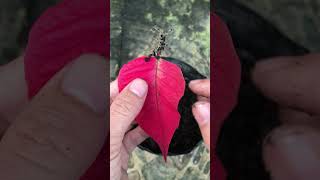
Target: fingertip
(194, 82)
(139, 87)
(273, 63)
(265, 69)
(290, 152)
(114, 86)
(200, 87)
(86, 80)
(201, 111)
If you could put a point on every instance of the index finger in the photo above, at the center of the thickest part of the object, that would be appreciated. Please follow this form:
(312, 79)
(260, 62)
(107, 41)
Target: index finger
(200, 87)
(291, 81)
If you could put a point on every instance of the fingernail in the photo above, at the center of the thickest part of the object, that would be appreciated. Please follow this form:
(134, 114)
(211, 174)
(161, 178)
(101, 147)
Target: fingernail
(204, 112)
(193, 82)
(86, 80)
(297, 151)
(139, 87)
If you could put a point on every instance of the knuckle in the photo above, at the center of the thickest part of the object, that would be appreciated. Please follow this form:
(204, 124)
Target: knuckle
(49, 133)
(123, 105)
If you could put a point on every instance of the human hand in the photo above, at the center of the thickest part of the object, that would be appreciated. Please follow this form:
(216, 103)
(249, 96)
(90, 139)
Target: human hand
(292, 150)
(59, 133)
(201, 109)
(123, 110)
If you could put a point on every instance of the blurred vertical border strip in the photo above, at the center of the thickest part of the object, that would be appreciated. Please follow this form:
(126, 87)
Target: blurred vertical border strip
(225, 82)
(108, 49)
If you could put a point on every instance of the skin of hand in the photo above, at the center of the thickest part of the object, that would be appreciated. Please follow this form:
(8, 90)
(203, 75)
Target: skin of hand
(201, 109)
(125, 106)
(59, 133)
(291, 151)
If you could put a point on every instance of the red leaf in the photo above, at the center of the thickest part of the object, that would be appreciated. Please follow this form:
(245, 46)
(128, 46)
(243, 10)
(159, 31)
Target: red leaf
(225, 75)
(61, 34)
(159, 117)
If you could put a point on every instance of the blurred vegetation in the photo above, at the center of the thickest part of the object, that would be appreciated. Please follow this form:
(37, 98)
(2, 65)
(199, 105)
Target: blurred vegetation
(298, 19)
(16, 19)
(131, 22)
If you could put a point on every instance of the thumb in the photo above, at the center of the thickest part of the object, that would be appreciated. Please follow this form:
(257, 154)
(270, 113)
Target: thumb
(126, 107)
(63, 129)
